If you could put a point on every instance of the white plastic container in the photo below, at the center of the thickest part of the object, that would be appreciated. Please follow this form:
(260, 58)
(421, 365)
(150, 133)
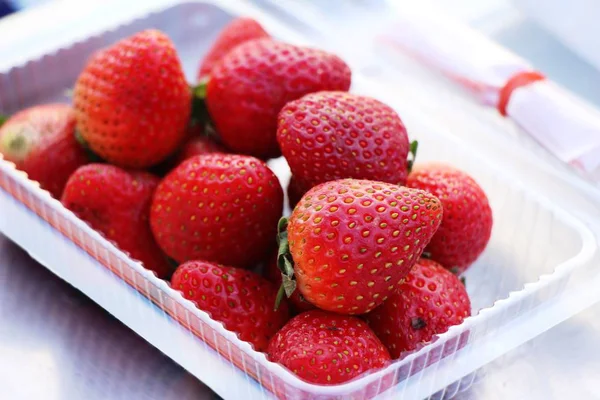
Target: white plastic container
(536, 247)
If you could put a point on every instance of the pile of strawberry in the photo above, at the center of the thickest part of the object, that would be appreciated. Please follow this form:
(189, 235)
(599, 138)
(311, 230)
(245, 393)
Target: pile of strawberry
(369, 259)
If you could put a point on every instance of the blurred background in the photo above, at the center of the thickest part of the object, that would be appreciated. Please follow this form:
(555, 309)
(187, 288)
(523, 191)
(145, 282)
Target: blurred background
(557, 41)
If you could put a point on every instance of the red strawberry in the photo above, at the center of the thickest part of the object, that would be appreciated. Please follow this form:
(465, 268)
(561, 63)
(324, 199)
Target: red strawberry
(273, 274)
(353, 241)
(255, 80)
(117, 203)
(240, 299)
(194, 130)
(132, 101)
(219, 207)
(333, 135)
(467, 224)
(238, 31)
(41, 141)
(295, 191)
(431, 300)
(326, 348)
(196, 146)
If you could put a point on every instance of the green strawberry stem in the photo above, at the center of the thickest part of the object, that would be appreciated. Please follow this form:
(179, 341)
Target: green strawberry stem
(279, 297)
(414, 146)
(284, 258)
(79, 138)
(285, 263)
(3, 119)
(200, 89)
(200, 113)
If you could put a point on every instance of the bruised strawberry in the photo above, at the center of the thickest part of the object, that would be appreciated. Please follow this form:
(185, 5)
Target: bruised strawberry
(273, 274)
(353, 241)
(132, 101)
(431, 300)
(326, 348)
(251, 84)
(219, 207)
(41, 141)
(467, 224)
(240, 299)
(326, 136)
(117, 203)
(238, 31)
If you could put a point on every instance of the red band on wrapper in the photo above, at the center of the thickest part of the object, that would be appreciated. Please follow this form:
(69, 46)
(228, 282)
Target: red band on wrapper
(519, 80)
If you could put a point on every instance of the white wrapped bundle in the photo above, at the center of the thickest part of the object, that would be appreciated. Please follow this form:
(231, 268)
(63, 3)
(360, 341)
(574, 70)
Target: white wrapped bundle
(565, 125)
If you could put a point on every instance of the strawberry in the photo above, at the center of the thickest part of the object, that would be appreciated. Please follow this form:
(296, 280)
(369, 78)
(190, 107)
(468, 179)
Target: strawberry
(467, 224)
(353, 241)
(117, 203)
(238, 31)
(196, 146)
(41, 141)
(431, 300)
(327, 348)
(295, 192)
(240, 299)
(273, 274)
(132, 101)
(255, 80)
(219, 207)
(196, 143)
(326, 136)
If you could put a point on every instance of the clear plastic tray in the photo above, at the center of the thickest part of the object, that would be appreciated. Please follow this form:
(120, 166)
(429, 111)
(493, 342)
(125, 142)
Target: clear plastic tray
(535, 248)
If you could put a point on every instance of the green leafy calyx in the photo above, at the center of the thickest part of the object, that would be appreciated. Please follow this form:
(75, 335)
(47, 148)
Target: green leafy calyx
(414, 146)
(285, 262)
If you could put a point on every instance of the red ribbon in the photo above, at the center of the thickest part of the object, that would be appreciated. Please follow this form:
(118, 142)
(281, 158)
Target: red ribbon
(519, 80)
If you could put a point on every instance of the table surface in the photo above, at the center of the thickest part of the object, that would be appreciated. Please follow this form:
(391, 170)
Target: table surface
(56, 344)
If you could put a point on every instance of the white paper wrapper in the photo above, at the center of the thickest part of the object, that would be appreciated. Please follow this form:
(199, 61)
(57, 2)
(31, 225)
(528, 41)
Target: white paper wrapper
(564, 124)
